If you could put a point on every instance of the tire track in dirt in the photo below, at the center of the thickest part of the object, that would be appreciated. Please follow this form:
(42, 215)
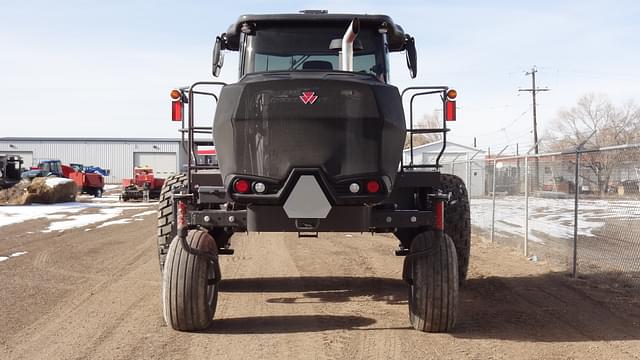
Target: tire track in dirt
(97, 295)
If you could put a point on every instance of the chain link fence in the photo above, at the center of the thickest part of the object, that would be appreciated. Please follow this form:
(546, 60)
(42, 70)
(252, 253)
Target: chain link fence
(579, 210)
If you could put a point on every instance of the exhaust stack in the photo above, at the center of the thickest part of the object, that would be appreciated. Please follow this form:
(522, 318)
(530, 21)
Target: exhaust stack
(346, 56)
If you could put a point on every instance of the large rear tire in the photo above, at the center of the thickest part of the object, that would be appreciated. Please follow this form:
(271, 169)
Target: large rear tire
(457, 220)
(433, 291)
(166, 228)
(189, 286)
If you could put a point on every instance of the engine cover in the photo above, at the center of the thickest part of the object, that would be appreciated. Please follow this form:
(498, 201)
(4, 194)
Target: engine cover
(346, 124)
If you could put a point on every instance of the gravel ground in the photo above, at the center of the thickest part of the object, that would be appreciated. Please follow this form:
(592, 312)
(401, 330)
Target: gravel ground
(95, 294)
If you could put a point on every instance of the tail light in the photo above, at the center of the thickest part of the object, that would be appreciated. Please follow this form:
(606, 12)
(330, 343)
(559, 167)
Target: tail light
(373, 186)
(241, 186)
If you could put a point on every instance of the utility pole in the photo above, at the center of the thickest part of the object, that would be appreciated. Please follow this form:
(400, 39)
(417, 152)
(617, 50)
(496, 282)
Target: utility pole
(533, 91)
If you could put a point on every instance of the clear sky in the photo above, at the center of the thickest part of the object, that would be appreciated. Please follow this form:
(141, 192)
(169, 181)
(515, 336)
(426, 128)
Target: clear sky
(105, 68)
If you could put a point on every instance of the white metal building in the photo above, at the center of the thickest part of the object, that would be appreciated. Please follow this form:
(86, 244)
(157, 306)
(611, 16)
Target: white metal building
(120, 156)
(464, 161)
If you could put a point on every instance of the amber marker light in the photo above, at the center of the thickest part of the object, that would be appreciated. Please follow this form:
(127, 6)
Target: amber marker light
(176, 94)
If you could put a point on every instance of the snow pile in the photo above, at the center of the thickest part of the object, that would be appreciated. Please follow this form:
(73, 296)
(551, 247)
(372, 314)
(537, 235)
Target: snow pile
(56, 181)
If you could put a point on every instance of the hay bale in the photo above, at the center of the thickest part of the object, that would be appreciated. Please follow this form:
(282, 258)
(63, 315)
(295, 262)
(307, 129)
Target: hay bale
(15, 194)
(50, 190)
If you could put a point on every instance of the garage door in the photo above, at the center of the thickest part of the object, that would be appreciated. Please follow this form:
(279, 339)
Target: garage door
(163, 164)
(27, 157)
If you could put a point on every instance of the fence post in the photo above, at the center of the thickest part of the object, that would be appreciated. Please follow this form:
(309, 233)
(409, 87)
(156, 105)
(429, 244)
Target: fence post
(468, 175)
(574, 271)
(526, 204)
(493, 209)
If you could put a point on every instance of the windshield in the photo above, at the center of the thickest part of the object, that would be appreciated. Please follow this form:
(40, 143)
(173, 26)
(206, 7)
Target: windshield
(297, 48)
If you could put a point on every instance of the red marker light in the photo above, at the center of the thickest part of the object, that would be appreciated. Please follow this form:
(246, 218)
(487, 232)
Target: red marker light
(242, 186)
(373, 186)
(177, 111)
(439, 210)
(451, 110)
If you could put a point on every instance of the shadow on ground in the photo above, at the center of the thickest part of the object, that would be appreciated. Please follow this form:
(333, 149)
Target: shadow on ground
(288, 324)
(545, 308)
(322, 289)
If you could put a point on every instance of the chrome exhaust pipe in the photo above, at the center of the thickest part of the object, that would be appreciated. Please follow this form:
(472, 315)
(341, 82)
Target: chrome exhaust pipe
(346, 56)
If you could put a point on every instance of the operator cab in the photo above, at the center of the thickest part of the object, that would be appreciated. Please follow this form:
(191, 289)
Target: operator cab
(312, 41)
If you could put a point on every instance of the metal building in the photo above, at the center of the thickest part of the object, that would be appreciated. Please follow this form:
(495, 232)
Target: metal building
(464, 161)
(119, 155)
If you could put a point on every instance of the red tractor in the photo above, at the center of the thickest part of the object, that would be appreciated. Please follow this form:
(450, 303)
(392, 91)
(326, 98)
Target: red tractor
(143, 182)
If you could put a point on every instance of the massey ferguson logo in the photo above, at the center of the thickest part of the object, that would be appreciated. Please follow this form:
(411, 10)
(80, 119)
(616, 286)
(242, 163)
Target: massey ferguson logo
(308, 97)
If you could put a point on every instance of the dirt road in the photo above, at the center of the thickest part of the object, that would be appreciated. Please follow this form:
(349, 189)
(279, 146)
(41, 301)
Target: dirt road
(96, 294)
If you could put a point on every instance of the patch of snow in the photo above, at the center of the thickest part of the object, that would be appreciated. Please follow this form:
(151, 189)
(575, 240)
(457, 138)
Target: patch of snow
(16, 214)
(81, 220)
(15, 254)
(55, 181)
(115, 222)
(145, 213)
(108, 187)
(550, 218)
(106, 198)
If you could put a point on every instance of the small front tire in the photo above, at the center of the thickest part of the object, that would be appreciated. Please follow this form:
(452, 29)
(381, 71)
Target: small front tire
(190, 283)
(433, 291)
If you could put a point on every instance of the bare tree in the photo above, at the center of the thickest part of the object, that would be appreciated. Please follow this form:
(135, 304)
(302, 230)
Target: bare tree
(607, 124)
(428, 121)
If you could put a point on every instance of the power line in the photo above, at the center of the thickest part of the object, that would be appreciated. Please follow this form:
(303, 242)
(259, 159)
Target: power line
(511, 123)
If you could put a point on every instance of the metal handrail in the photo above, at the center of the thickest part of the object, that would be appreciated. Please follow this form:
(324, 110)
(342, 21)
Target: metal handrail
(192, 152)
(432, 90)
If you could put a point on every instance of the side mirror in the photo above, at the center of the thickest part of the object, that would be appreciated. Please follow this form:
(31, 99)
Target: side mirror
(218, 57)
(412, 57)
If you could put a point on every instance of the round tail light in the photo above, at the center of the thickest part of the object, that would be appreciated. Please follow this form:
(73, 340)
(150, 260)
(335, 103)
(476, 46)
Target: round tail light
(242, 186)
(373, 186)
